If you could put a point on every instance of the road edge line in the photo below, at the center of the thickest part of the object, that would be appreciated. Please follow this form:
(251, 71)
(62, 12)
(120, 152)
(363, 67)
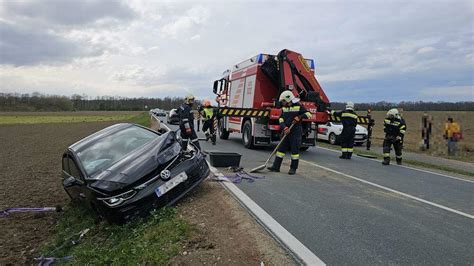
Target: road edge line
(409, 167)
(277, 231)
(393, 191)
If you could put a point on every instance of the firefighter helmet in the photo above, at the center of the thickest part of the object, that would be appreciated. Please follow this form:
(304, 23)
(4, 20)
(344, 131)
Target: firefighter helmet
(206, 103)
(288, 96)
(189, 99)
(392, 112)
(350, 106)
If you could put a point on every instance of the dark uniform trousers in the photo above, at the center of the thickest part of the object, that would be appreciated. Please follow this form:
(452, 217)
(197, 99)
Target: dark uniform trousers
(186, 120)
(349, 123)
(292, 142)
(394, 132)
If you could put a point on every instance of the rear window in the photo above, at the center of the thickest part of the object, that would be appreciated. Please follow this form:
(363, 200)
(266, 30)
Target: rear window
(111, 149)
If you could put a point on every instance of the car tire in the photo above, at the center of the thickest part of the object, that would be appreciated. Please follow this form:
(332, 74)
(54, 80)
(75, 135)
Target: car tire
(247, 138)
(223, 133)
(332, 139)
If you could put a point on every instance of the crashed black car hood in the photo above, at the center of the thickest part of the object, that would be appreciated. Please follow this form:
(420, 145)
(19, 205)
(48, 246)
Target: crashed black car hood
(137, 164)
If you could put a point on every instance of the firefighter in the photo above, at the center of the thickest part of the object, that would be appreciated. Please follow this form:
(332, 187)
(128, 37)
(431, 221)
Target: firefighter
(208, 115)
(291, 112)
(394, 127)
(186, 123)
(349, 122)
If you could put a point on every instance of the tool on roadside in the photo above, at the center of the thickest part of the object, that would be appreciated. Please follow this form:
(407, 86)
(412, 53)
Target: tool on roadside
(261, 167)
(367, 155)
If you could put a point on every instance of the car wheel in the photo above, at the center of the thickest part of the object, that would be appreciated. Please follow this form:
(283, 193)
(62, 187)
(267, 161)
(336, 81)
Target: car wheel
(223, 133)
(247, 138)
(332, 139)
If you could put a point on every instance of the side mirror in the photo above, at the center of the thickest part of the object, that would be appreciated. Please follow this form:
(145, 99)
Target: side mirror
(70, 181)
(216, 85)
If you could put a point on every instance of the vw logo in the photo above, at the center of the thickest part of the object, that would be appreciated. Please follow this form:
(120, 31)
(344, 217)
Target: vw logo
(165, 175)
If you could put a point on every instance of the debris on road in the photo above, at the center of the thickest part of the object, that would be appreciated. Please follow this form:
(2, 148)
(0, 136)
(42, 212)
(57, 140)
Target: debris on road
(9, 211)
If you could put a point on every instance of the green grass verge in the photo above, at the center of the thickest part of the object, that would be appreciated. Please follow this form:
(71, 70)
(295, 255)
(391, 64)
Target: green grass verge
(409, 162)
(44, 119)
(142, 119)
(155, 240)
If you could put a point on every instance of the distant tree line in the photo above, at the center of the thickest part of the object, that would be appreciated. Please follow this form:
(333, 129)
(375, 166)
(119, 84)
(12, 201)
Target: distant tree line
(410, 106)
(42, 102)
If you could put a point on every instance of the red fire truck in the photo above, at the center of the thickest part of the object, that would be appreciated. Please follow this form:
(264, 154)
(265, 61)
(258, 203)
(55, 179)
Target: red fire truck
(248, 97)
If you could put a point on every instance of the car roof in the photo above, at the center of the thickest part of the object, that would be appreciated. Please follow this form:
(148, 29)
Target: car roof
(91, 139)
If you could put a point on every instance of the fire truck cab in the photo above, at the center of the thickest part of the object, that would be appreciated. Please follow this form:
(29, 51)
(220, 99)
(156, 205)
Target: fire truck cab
(251, 90)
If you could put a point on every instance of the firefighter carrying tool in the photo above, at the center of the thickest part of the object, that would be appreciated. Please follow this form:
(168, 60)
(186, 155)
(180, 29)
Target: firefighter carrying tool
(394, 128)
(291, 112)
(186, 123)
(208, 115)
(349, 122)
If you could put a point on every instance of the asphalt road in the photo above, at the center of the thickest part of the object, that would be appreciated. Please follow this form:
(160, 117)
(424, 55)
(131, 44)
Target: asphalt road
(360, 212)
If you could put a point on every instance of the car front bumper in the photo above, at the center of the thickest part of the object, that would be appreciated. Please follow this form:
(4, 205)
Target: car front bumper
(147, 200)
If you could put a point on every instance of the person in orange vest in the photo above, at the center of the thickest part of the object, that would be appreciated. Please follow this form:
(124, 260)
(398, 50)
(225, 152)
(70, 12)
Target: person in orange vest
(452, 134)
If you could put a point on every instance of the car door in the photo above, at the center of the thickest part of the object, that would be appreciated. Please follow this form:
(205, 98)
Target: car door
(73, 181)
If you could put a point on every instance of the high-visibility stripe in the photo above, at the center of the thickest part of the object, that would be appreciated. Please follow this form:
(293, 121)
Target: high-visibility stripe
(265, 114)
(237, 112)
(350, 150)
(402, 131)
(308, 114)
(231, 111)
(399, 157)
(260, 113)
(254, 113)
(386, 155)
(344, 149)
(280, 154)
(295, 156)
(225, 111)
(281, 120)
(349, 115)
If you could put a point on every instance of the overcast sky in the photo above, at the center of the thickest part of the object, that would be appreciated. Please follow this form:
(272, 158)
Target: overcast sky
(364, 50)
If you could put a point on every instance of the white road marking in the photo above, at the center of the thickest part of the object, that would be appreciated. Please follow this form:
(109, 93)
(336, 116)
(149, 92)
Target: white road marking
(393, 190)
(278, 231)
(408, 167)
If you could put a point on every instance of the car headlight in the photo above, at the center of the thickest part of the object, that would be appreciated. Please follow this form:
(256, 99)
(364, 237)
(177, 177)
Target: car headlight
(119, 199)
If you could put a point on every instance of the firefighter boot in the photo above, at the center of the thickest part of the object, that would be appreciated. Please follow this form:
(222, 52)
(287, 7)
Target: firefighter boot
(293, 167)
(399, 161)
(208, 136)
(213, 139)
(276, 165)
(349, 155)
(343, 156)
(386, 161)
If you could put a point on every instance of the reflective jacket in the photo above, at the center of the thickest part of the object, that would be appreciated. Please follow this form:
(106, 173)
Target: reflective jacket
(289, 113)
(348, 118)
(186, 116)
(394, 127)
(207, 113)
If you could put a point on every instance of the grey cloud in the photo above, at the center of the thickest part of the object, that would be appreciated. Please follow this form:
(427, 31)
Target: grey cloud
(27, 46)
(69, 12)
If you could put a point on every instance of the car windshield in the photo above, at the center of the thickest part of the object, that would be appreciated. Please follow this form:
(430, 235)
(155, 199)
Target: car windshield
(112, 148)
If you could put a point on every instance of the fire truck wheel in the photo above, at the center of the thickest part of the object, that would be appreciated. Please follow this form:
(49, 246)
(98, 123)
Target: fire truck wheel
(247, 137)
(223, 133)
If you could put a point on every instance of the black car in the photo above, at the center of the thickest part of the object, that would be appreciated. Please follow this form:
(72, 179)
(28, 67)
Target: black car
(126, 170)
(173, 117)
